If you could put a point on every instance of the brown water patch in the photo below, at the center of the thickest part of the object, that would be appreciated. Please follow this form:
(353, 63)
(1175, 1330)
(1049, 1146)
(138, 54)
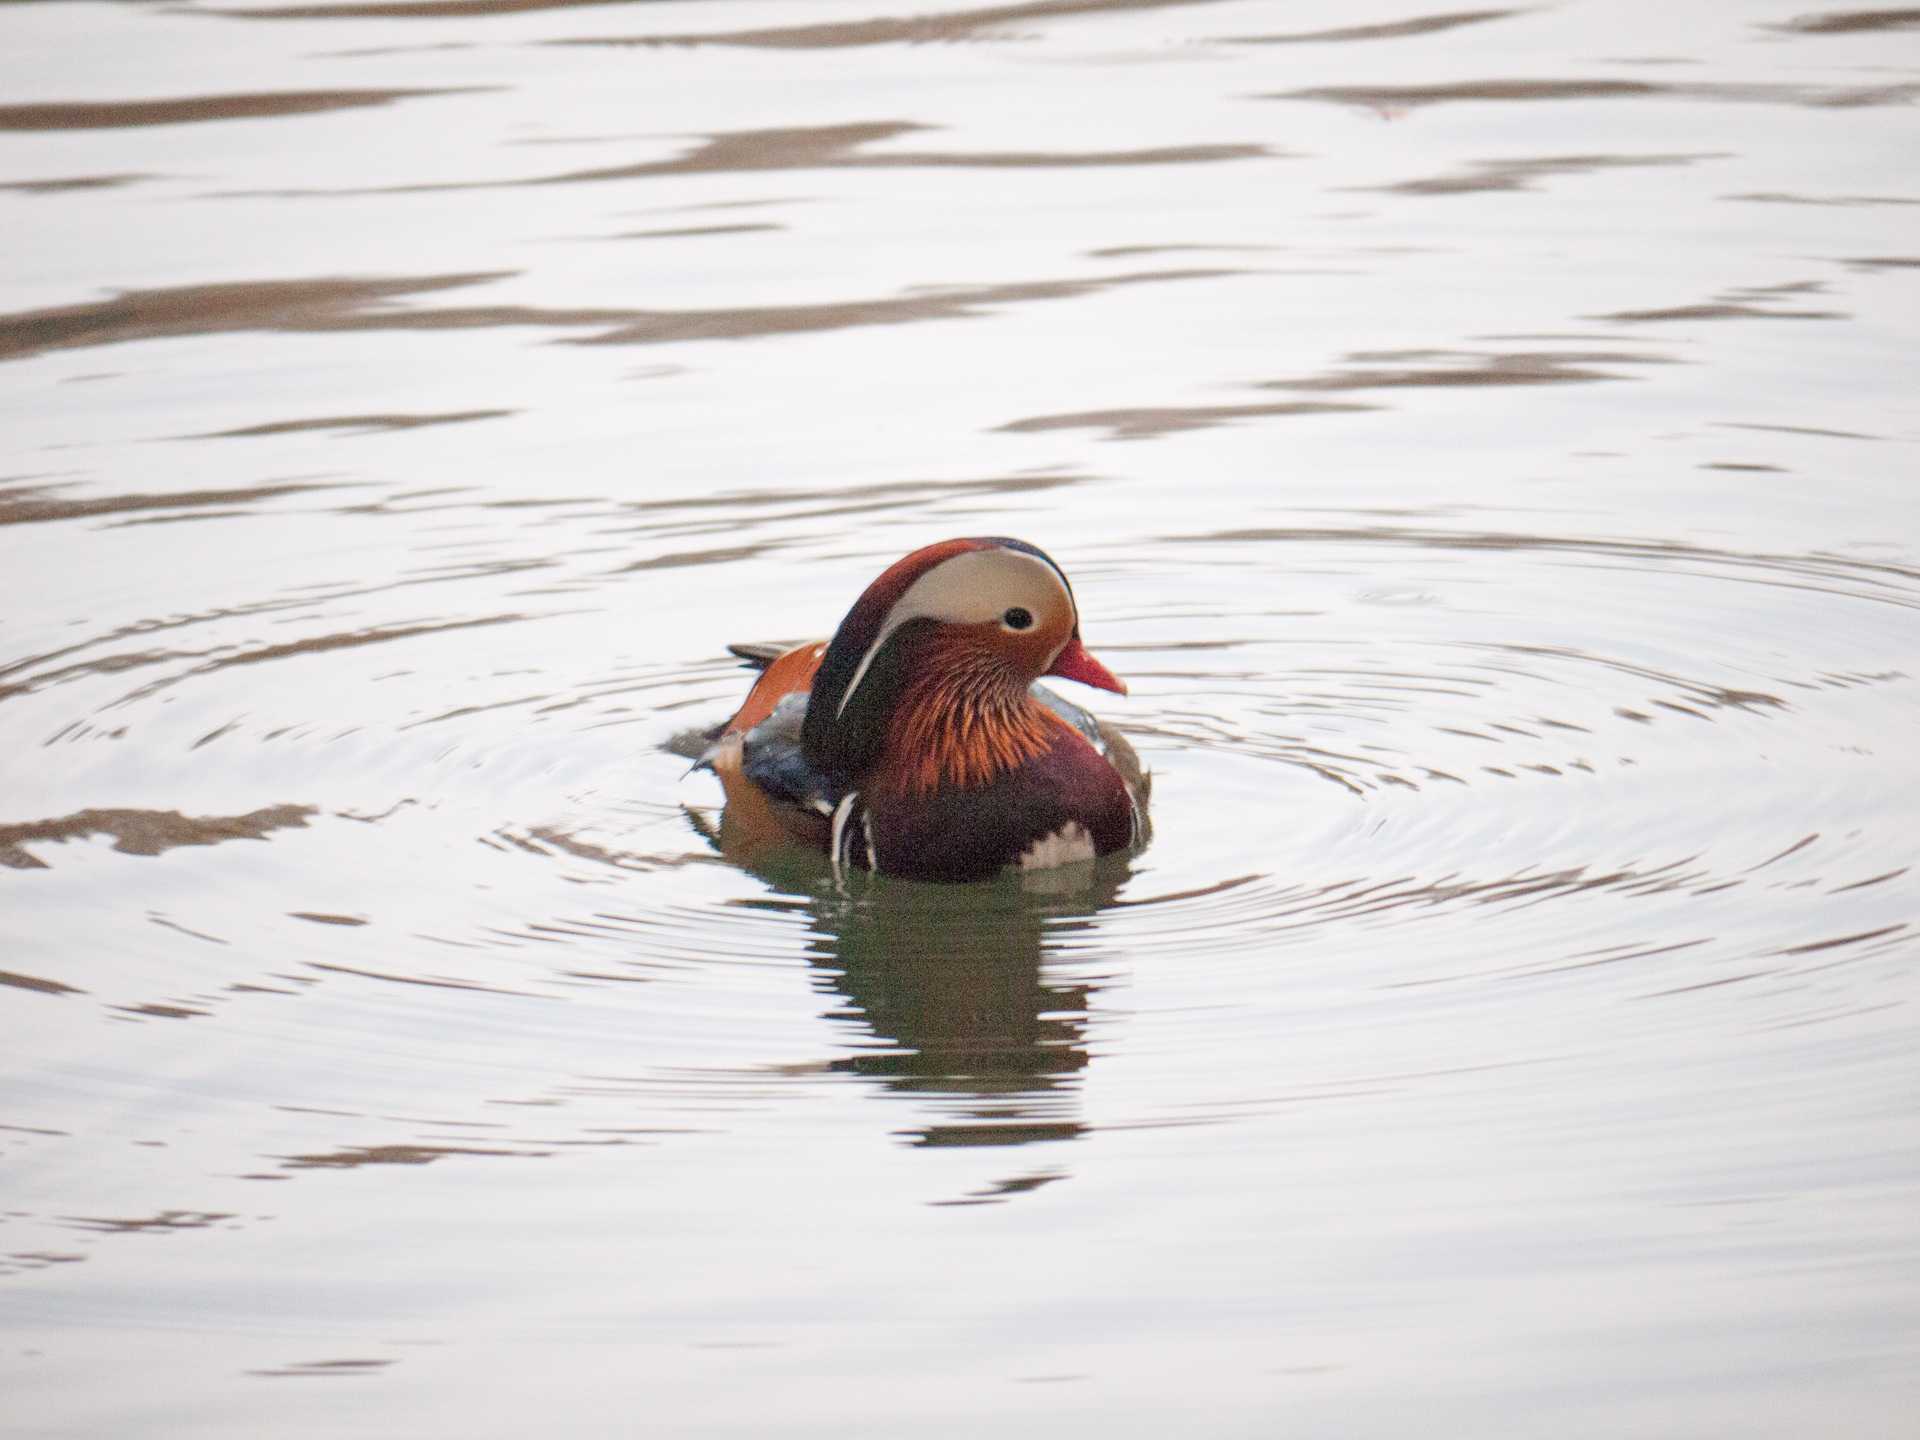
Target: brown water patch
(838, 147)
(33, 982)
(1455, 369)
(1391, 30)
(1127, 252)
(410, 9)
(1816, 946)
(722, 555)
(1392, 99)
(1719, 309)
(189, 110)
(360, 305)
(1850, 22)
(998, 1193)
(942, 27)
(1146, 422)
(355, 1156)
(1013, 1133)
(1781, 197)
(916, 305)
(26, 1261)
(1799, 430)
(1880, 879)
(354, 424)
(215, 309)
(1856, 98)
(1744, 302)
(165, 1012)
(375, 52)
(431, 983)
(155, 918)
(1485, 175)
(322, 1369)
(824, 147)
(73, 182)
(695, 231)
(166, 1222)
(30, 505)
(146, 832)
(1406, 97)
(1452, 368)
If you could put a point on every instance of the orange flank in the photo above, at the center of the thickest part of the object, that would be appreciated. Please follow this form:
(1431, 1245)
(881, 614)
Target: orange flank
(785, 674)
(752, 824)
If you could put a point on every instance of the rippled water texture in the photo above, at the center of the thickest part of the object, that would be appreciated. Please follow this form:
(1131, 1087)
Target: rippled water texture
(1485, 439)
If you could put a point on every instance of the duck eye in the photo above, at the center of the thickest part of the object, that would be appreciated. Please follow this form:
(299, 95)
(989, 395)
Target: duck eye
(1018, 618)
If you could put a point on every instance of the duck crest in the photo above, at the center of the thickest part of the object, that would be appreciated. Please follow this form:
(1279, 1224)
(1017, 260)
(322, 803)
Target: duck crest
(865, 667)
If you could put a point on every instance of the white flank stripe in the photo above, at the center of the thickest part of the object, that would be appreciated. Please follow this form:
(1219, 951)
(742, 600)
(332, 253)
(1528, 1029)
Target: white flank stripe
(839, 837)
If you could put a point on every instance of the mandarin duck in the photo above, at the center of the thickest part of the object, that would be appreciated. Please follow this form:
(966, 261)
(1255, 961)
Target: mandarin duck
(917, 743)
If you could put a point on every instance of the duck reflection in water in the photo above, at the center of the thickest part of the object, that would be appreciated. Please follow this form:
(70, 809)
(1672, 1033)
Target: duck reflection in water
(961, 994)
(949, 993)
(945, 989)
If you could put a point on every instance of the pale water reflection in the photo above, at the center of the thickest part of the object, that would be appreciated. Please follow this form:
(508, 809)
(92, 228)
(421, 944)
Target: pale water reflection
(1482, 438)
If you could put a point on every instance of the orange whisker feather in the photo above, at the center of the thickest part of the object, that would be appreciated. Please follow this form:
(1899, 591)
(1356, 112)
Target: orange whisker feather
(969, 722)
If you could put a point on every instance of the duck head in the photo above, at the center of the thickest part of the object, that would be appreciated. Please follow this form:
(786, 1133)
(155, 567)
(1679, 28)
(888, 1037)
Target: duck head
(928, 676)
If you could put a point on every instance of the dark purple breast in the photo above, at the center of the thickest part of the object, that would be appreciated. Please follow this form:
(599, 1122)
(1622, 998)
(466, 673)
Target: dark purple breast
(972, 834)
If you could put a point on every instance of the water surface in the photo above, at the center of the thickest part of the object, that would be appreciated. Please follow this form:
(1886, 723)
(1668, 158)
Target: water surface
(1483, 439)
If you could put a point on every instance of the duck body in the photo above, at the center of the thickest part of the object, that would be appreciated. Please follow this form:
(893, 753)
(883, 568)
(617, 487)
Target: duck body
(917, 742)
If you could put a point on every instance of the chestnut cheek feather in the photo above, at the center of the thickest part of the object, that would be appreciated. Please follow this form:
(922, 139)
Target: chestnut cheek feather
(965, 717)
(943, 745)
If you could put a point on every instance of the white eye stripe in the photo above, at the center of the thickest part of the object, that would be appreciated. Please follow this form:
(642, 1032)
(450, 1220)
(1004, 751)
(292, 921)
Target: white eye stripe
(971, 588)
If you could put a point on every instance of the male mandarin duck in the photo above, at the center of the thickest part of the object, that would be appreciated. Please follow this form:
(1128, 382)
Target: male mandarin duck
(916, 742)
